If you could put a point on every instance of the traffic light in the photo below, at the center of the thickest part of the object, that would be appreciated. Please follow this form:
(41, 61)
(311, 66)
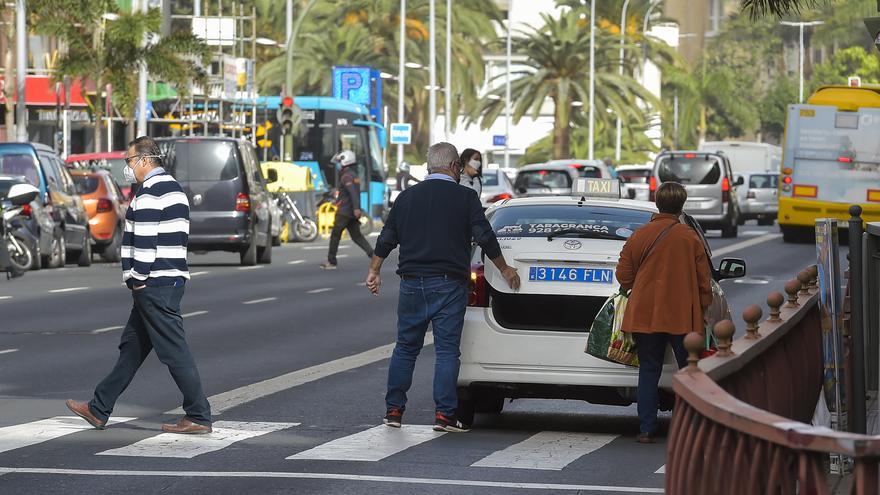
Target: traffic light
(286, 115)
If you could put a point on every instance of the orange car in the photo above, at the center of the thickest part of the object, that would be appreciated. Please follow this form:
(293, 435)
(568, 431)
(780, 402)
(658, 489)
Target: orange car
(106, 206)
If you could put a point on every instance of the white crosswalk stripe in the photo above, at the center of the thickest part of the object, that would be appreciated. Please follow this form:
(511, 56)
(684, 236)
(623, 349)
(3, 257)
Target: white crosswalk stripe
(188, 446)
(27, 434)
(374, 444)
(548, 450)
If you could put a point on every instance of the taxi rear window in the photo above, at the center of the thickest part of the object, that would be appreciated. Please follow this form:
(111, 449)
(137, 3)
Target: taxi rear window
(594, 221)
(548, 179)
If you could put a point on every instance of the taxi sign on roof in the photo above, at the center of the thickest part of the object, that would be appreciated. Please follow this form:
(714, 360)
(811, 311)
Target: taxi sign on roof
(596, 188)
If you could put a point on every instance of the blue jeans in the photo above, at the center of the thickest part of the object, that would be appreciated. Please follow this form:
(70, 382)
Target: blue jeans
(652, 349)
(440, 301)
(154, 324)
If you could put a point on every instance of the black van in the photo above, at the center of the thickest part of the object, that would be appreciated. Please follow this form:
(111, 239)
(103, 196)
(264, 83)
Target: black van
(229, 203)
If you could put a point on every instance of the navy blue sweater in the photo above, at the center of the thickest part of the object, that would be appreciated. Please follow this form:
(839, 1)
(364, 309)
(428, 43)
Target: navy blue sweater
(433, 222)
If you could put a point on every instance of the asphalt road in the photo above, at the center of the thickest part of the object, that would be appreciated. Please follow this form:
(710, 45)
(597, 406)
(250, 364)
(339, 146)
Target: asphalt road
(294, 361)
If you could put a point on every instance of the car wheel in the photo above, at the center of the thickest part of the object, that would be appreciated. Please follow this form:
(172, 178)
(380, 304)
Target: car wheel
(730, 230)
(795, 234)
(766, 221)
(113, 252)
(85, 254)
(249, 254)
(465, 411)
(265, 253)
(276, 240)
(58, 255)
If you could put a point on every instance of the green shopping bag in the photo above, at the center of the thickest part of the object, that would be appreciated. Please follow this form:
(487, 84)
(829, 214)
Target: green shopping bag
(606, 340)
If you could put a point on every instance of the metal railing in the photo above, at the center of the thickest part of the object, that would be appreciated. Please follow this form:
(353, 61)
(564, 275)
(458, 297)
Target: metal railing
(741, 419)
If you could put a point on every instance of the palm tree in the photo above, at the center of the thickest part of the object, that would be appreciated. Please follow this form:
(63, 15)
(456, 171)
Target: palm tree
(109, 51)
(557, 68)
(778, 8)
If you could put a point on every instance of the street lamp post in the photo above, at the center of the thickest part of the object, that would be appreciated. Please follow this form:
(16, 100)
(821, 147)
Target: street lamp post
(401, 77)
(447, 96)
(20, 71)
(801, 25)
(507, 91)
(142, 83)
(592, 78)
(620, 72)
(432, 68)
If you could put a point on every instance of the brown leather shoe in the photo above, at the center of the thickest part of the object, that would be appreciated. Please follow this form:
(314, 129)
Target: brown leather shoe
(186, 427)
(645, 438)
(82, 410)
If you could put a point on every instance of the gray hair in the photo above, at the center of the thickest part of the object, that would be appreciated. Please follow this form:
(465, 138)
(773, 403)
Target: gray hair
(440, 155)
(147, 147)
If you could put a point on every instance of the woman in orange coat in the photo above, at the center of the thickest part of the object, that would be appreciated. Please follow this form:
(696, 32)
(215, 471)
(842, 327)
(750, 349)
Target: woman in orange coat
(665, 265)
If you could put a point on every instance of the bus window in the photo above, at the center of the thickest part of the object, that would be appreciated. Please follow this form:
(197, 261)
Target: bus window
(377, 169)
(353, 140)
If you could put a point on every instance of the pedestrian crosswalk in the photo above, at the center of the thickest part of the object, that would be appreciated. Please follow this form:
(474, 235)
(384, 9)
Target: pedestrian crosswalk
(545, 450)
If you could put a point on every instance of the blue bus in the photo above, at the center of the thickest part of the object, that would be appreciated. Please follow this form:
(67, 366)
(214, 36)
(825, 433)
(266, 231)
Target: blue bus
(330, 125)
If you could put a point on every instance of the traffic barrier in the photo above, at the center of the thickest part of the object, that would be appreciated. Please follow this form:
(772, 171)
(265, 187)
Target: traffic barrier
(741, 422)
(326, 217)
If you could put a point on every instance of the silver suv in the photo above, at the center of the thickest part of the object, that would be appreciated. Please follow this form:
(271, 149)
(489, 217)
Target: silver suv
(710, 184)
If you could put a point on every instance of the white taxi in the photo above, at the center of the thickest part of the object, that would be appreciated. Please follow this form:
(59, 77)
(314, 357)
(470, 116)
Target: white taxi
(530, 343)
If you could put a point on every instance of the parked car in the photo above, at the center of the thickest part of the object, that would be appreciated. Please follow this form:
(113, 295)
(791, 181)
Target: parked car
(555, 177)
(112, 162)
(106, 207)
(529, 343)
(759, 197)
(230, 208)
(710, 184)
(496, 186)
(634, 179)
(67, 237)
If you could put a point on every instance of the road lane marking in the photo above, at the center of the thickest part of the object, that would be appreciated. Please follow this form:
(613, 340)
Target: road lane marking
(296, 262)
(255, 267)
(371, 445)
(27, 434)
(373, 234)
(196, 274)
(242, 395)
(107, 329)
(342, 256)
(258, 301)
(744, 244)
(662, 470)
(69, 289)
(334, 477)
(224, 434)
(8, 351)
(318, 291)
(194, 313)
(547, 450)
(3, 298)
(313, 248)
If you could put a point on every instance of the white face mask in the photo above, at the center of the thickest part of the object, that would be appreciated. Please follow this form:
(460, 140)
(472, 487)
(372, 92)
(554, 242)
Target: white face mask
(475, 164)
(128, 173)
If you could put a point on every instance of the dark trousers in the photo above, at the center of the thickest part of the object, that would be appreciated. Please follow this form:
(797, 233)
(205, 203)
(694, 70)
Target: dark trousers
(652, 349)
(154, 323)
(345, 222)
(440, 301)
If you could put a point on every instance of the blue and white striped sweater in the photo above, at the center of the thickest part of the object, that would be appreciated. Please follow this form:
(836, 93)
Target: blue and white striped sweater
(156, 233)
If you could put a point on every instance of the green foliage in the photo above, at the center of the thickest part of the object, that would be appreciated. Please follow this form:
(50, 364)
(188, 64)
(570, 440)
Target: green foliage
(774, 107)
(853, 61)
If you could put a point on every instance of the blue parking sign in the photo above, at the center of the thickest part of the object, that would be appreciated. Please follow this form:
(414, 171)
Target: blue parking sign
(499, 140)
(352, 84)
(401, 133)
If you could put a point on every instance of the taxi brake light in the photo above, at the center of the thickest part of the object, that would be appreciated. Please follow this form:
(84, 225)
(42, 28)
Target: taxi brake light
(478, 293)
(499, 197)
(690, 155)
(844, 159)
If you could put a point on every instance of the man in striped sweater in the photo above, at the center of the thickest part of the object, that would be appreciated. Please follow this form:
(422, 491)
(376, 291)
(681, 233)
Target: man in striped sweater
(154, 269)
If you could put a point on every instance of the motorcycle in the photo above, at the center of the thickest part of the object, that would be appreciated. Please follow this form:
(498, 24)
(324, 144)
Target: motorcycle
(301, 228)
(16, 256)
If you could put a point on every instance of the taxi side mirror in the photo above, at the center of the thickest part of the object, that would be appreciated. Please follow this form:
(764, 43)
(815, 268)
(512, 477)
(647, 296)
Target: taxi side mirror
(271, 176)
(731, 268)
(522, 190)
(631, 193)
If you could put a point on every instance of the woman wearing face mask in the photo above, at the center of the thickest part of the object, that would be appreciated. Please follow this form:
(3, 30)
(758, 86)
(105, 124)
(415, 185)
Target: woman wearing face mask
(472, 175)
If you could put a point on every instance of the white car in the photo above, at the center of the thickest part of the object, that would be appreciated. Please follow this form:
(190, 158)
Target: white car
(530, 343)
(635, 180)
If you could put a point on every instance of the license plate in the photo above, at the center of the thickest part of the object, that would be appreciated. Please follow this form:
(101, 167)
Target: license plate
(695, 205)
(556, 274)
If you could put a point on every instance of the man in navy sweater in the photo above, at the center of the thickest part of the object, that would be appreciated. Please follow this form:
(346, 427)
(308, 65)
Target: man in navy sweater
(433, 222)
(154, 269)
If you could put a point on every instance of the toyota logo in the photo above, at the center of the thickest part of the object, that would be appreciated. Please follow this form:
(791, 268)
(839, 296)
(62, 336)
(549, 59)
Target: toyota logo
(572, 244)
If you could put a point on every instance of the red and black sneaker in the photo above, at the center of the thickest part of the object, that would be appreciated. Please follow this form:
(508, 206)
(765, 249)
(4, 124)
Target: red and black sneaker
(394, 417)
(451, 424)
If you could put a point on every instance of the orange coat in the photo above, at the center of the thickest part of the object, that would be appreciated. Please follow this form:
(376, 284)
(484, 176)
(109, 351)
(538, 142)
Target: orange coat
(672, 289)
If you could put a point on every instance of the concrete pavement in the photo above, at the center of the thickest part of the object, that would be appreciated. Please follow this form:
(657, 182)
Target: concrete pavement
(310, 426)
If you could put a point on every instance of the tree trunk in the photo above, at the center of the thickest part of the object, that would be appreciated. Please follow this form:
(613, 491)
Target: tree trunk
(561, 127)
(702, 137)
(99, 114)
